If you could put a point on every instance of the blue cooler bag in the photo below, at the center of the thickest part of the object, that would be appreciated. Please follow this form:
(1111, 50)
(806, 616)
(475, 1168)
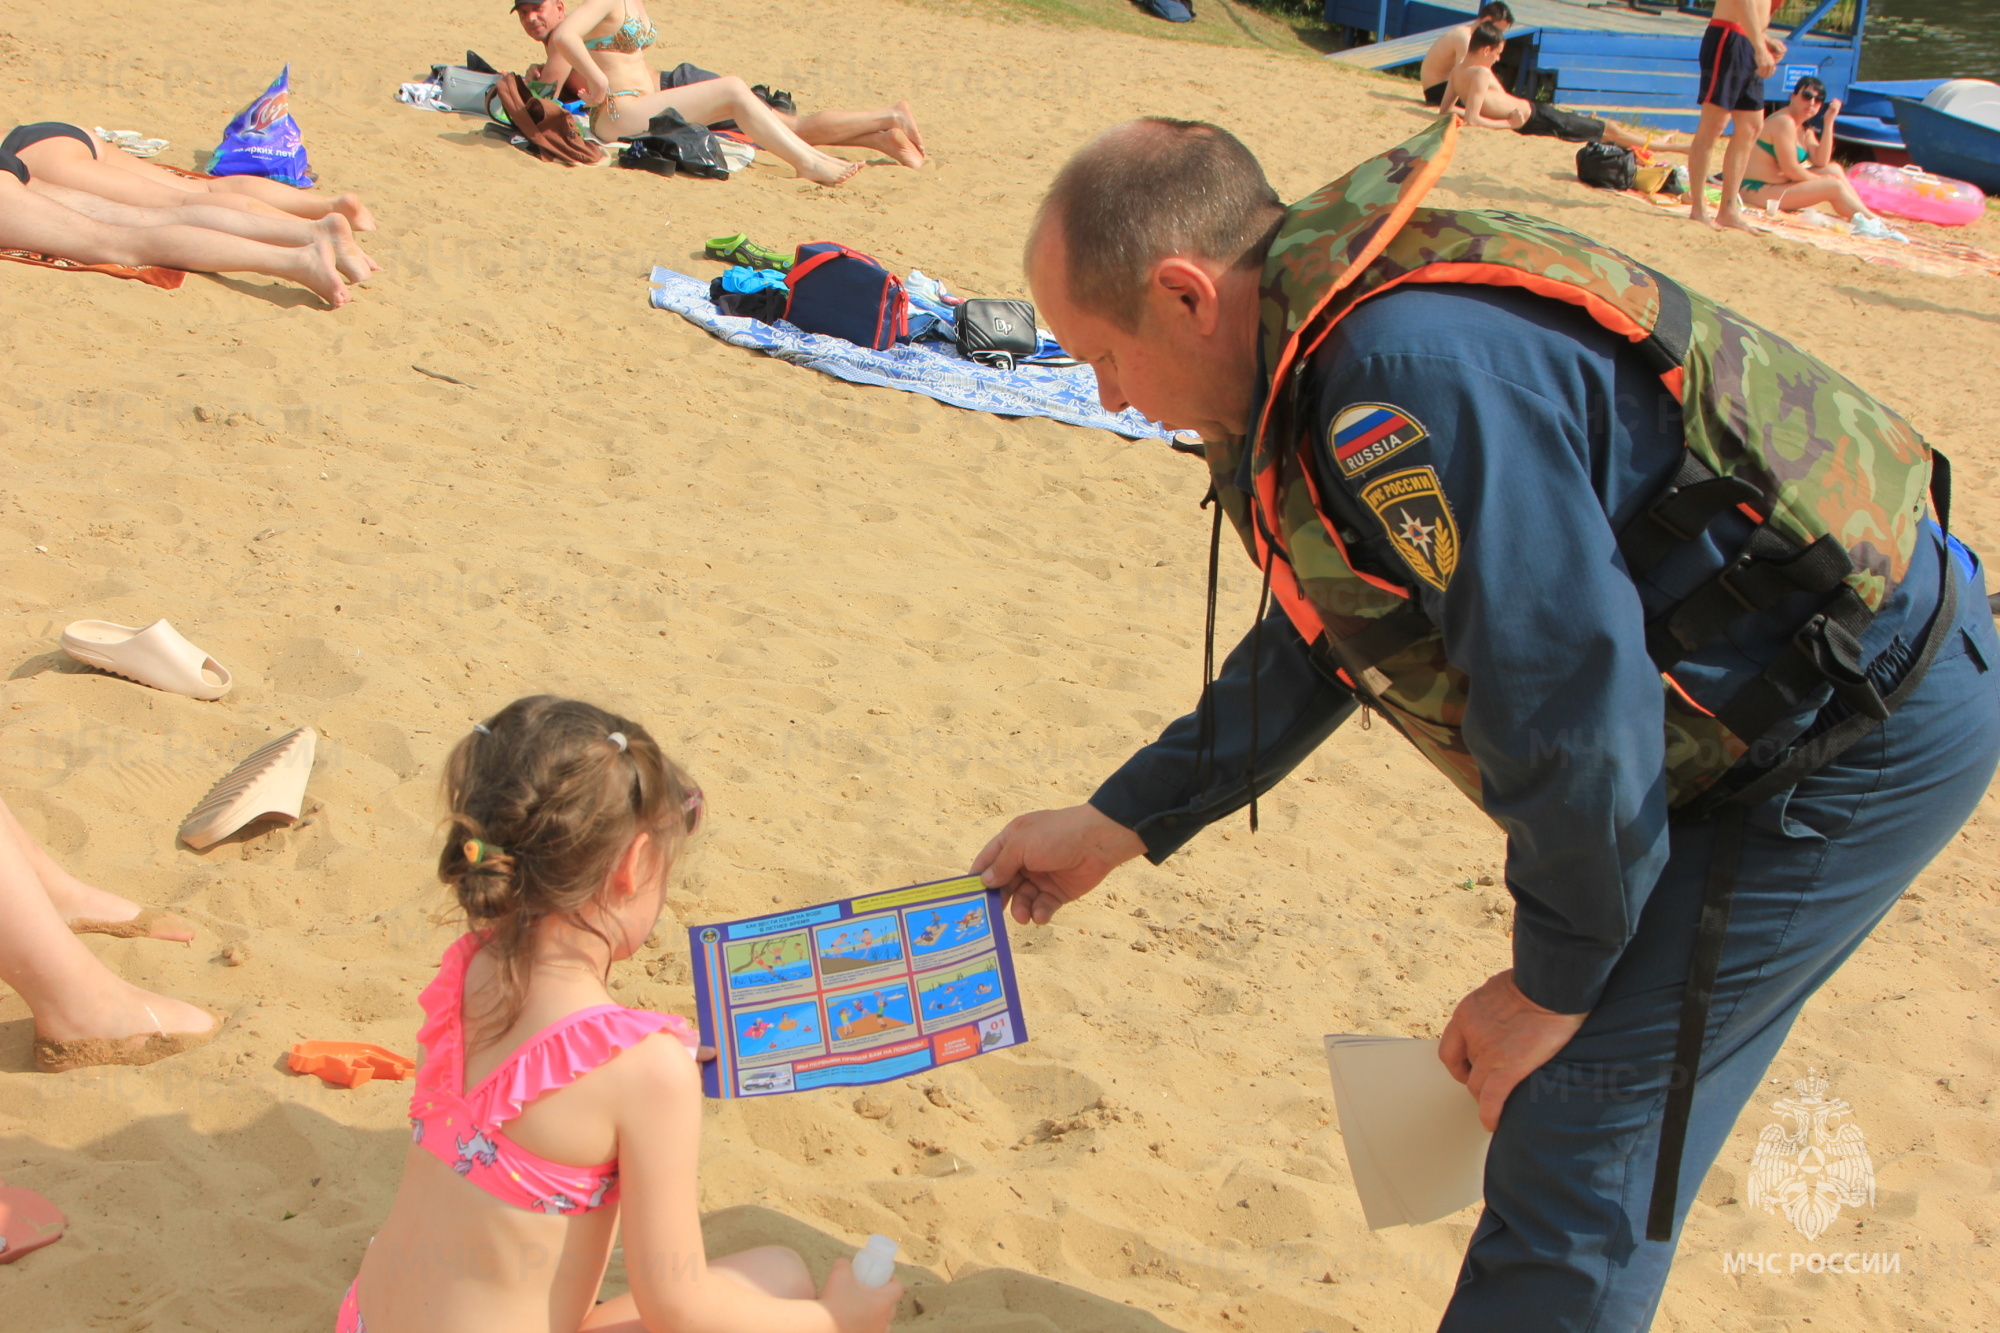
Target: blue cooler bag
(846, 294)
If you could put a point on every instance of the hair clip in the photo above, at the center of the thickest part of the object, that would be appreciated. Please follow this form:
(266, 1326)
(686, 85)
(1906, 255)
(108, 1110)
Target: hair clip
(618, 739)
(482, 728)
(478, 853)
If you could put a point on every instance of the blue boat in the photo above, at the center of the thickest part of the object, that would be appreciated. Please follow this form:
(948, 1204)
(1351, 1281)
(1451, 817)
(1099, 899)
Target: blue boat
(1948, 145)
(1639, 63)
(1867, 120)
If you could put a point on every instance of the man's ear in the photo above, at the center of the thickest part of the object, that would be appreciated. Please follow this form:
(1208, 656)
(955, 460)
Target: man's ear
(1189, 288)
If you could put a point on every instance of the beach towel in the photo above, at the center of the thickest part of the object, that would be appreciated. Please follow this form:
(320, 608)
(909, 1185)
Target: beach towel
(1066, 394)
(1924, 252)
(167, 279)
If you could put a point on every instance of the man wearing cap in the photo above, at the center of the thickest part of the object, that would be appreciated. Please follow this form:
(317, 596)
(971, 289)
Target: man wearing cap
(891, 131)
(1660, 592)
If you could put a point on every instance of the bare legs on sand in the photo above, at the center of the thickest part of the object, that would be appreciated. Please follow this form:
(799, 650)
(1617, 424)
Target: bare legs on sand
(75, 999)
(891, 132)
(289, 232)
(1744, 128)
(32, 221)
(726, 98)
(116, 175)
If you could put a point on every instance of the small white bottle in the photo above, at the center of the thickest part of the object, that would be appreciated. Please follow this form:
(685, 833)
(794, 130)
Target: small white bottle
(876, 1263)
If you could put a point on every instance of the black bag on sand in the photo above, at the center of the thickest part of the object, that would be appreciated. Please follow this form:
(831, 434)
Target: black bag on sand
(1606, 166)
(693, 148)
(997, 333)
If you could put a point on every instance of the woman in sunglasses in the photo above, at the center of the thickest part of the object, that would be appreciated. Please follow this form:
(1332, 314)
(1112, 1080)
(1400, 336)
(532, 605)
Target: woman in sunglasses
(1792, 164)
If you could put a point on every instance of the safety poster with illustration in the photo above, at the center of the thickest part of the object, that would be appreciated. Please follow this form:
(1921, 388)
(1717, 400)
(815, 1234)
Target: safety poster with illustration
(859, 991)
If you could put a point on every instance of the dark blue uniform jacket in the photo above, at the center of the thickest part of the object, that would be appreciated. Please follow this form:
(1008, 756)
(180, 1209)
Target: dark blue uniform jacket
(1547, 435)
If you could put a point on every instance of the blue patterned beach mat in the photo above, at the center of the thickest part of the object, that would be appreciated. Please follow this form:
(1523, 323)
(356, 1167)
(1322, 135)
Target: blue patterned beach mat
(1067, 394)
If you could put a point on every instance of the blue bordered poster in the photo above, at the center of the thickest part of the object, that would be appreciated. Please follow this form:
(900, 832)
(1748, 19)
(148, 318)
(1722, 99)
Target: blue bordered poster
(864, 990)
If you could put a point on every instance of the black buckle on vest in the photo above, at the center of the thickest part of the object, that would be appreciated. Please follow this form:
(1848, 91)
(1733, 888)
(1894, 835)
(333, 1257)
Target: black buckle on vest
(1693, 500)
(1835, 653)
(1770, 567)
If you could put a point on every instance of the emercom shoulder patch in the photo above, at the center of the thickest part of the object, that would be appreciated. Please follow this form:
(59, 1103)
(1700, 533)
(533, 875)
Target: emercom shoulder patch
(1367, 433)
(1417, 518)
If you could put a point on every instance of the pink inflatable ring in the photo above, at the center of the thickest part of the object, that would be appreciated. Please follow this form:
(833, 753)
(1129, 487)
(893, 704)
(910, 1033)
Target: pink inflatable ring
(1907, 192)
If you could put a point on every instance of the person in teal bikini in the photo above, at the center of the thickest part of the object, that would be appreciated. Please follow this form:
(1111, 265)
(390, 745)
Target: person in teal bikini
(1792, 164)
(891, 131)
(603, 43)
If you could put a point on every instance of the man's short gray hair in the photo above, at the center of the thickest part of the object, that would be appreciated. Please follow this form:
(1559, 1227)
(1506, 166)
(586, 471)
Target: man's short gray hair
(1152, 188)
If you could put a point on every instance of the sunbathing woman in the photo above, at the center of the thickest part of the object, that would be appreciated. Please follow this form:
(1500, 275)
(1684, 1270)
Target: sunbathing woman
(84, 1014)
(1793, 166)
(68, 155)
(32, 221)
(603, 42)
(892, 131)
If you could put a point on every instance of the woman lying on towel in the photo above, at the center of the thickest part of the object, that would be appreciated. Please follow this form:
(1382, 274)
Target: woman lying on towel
(603, 42)
(70, 156)
(198, 237)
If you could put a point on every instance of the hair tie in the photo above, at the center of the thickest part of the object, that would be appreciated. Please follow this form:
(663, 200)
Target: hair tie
(478, 853)
(482, 728)
(618, 739)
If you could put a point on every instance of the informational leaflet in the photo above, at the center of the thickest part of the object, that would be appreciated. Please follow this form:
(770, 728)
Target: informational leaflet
(864, 990)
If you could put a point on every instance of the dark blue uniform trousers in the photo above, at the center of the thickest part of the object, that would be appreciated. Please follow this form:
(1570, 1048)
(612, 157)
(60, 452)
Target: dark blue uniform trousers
(1561, 1246)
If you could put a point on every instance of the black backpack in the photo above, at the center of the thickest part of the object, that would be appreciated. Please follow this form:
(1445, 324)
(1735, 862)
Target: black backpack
(1606, 166)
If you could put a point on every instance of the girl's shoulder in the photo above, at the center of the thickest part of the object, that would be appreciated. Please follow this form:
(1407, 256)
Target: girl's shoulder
(656, 1056)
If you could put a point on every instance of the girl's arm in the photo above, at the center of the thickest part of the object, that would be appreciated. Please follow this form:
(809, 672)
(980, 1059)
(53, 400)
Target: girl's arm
(659, 1137)
(567, 52)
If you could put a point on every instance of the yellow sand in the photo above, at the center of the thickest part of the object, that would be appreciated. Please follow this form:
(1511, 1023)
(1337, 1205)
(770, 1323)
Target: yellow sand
(873, 626)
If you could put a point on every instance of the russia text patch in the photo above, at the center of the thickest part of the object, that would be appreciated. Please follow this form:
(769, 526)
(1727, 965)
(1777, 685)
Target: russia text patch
(1414, 513)
(1366, 433)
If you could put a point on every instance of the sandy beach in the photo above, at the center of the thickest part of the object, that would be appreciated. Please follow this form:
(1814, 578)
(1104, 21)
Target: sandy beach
(873, 627)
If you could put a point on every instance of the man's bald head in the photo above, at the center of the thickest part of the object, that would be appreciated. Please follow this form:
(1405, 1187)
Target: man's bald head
(1148, 189)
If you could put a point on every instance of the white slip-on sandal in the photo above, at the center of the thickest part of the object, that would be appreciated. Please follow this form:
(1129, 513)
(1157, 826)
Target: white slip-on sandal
(156, 655)
(272, 781)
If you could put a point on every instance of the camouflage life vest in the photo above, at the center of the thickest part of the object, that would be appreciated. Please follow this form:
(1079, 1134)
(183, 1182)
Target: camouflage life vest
(1836, 482)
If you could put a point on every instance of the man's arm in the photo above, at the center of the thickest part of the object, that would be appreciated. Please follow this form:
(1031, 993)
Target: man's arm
(1475, 102)
(1564, 719)
(1167, 792)
(1757, 25)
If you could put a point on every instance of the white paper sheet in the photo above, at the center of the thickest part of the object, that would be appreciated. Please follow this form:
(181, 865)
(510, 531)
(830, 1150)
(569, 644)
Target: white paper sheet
(1414, 1141)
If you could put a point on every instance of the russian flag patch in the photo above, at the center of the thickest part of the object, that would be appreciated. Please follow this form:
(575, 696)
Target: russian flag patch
(1366, 433)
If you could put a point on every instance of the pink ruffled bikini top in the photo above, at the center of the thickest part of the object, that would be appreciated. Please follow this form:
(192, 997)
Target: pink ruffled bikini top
(462, 1128)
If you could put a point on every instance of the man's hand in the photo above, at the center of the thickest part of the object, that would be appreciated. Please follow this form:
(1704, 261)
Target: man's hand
(1051, 857)
(1497, 1037)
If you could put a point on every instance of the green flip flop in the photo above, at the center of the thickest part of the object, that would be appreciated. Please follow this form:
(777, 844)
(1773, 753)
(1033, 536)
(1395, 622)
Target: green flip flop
(740, 249)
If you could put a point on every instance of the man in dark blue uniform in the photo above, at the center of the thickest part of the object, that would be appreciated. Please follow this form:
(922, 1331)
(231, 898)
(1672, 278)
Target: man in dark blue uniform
(1544, 437)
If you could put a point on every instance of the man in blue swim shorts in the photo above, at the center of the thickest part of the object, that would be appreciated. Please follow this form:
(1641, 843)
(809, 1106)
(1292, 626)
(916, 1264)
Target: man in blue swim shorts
(1738, 53)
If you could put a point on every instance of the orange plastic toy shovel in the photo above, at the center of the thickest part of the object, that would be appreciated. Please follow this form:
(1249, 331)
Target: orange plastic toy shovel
(349, 1064)
(27, 1222)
